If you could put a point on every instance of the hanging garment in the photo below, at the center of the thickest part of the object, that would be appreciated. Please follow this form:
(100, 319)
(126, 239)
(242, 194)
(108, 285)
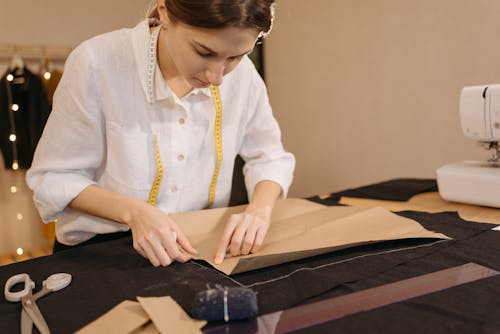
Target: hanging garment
(51, 83)
(24, 109)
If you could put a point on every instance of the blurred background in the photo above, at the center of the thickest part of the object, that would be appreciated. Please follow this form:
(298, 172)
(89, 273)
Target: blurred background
(364, 91)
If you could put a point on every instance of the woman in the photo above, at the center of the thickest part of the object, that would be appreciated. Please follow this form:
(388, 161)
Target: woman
(137, 131)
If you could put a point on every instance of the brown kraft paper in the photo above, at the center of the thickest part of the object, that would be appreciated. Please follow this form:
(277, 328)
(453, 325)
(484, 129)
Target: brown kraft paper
(299, 229)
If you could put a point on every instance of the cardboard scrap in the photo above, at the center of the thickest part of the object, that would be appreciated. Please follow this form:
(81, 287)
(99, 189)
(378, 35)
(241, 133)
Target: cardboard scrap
(299, 229)
(150, 315)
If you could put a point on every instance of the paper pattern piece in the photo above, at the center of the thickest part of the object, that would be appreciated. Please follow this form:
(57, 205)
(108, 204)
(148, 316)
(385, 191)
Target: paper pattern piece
(150, 315)
(432, 203)
(168, 316)
(299, 229)
(123, 318)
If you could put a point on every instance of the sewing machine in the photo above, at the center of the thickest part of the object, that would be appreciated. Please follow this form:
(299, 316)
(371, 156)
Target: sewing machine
(476, 182)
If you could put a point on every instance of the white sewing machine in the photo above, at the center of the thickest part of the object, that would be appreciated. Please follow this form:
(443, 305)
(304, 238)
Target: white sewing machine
(476, 182)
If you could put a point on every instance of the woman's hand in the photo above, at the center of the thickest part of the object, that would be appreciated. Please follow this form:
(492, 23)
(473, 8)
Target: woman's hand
(152, 229)
(157, 237)
(244, 232)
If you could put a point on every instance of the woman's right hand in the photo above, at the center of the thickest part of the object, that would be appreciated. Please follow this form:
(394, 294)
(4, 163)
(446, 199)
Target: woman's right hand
(154, 238)
(152, 229)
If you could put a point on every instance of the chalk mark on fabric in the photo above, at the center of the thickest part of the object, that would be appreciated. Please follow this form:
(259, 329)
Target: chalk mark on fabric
(318, 267)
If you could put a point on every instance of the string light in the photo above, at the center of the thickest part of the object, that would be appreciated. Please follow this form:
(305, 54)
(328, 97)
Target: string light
(14, 107)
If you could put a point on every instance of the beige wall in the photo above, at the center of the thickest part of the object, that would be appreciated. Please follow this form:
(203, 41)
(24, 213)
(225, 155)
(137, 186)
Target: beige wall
(65, 22)
(368, 90)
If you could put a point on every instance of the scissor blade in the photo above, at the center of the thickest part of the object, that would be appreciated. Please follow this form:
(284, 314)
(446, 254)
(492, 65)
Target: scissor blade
(37, 318)
(26, 323)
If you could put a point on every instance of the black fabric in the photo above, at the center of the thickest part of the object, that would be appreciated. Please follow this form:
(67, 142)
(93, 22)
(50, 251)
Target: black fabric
(332, 200)
(239, 194)
(392, 190)
(107, 273)
(29, 120)
(59, 247)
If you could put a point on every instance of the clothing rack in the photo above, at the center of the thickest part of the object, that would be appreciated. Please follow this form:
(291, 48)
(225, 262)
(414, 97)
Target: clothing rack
(34, 52)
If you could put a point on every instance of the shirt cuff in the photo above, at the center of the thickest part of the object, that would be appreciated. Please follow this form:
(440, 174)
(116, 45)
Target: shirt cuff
(282, 174)
(54, 192)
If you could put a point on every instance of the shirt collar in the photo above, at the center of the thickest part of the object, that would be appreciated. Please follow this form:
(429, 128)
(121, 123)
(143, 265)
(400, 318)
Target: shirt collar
(151, 78)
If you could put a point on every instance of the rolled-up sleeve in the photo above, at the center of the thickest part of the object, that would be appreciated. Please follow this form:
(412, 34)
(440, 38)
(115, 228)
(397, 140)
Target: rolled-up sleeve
(71, 149)
(262, 149)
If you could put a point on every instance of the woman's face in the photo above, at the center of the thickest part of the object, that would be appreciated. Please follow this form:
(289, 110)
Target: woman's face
(202, 56)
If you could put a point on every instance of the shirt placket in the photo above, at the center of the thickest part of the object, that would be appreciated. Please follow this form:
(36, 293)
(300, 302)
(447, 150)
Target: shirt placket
(175, 153)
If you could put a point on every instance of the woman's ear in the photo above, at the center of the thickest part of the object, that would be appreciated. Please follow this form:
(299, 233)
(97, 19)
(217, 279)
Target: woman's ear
(162, 11)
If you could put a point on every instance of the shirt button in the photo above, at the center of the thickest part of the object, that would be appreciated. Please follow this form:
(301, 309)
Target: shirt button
(180, 157)
(174, 189)
(182, 121)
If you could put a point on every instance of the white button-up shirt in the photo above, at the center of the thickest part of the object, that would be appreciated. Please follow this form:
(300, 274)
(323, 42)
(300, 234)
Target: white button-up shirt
(102, 126)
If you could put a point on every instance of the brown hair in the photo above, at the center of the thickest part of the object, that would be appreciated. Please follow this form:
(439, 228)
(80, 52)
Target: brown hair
(256, 14)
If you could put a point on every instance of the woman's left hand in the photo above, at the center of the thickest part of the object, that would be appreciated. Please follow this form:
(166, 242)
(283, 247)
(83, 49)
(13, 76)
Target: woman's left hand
(244, 232)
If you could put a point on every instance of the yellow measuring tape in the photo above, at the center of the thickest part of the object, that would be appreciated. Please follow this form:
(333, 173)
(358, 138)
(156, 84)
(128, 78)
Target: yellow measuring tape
(214, 90)
(153, 194)
(216, 99)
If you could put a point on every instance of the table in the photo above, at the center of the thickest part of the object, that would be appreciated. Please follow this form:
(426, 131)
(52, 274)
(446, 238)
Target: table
(107, 273)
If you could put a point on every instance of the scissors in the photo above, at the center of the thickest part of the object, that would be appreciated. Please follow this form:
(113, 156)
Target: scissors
(30, 312)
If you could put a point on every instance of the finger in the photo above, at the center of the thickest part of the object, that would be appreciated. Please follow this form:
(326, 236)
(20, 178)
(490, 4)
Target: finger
(161, 253)
(150, 254)
(225, 238)
(138, 249)
(183, 241)
(239, 234)
(171, 247)
(259, 238)
(184, 257)
(249, 240)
